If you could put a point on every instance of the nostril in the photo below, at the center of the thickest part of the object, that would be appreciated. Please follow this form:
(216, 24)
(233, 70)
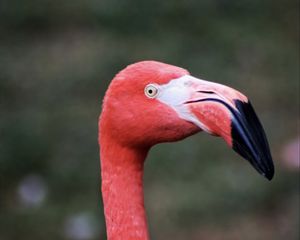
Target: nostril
(208, 92)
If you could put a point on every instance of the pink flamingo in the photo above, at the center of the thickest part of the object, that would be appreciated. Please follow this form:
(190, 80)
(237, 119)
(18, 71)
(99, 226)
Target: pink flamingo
(151, 102)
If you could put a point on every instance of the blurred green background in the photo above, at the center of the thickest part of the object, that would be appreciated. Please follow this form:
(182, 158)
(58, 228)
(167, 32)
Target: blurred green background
(56, 61)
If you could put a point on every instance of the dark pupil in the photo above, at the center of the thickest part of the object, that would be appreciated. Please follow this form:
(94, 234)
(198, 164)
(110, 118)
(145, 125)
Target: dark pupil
(150, 91)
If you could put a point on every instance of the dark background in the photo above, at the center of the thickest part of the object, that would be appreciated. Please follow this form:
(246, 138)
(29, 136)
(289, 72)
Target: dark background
(56, 61)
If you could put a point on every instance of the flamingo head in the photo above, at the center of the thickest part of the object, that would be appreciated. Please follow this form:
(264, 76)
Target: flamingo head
(151, 102)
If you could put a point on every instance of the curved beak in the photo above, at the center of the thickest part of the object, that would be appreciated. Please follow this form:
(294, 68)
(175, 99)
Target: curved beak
(221, 111)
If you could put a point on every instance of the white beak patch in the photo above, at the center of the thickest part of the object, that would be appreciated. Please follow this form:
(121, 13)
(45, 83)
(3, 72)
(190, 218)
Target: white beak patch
(176, 93)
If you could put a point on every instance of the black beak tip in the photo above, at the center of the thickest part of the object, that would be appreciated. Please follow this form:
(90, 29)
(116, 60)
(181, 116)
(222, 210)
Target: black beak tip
(269, 175)
(262, 163)
(249, 139)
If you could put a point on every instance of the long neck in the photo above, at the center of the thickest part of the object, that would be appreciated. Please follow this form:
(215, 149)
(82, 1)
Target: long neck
(122, 191)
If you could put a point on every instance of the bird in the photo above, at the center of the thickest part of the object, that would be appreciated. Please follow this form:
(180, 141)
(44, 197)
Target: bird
(151, 102)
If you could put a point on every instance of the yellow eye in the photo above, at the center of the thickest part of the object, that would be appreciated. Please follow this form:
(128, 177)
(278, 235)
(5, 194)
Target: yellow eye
(151, 91)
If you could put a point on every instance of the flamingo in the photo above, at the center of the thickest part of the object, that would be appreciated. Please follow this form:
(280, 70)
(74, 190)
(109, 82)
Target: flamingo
(151, 102)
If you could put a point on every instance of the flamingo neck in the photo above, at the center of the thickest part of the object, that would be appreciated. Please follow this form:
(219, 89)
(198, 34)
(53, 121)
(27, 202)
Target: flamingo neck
(122, 191)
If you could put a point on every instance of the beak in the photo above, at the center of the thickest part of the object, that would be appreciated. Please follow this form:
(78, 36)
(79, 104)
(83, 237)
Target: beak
(221, 111)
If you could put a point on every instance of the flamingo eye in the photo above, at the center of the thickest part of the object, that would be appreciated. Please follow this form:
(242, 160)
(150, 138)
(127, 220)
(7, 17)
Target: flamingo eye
(151, 91)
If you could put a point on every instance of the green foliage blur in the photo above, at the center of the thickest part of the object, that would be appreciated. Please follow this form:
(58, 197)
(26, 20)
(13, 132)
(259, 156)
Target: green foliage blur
(56, 61)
